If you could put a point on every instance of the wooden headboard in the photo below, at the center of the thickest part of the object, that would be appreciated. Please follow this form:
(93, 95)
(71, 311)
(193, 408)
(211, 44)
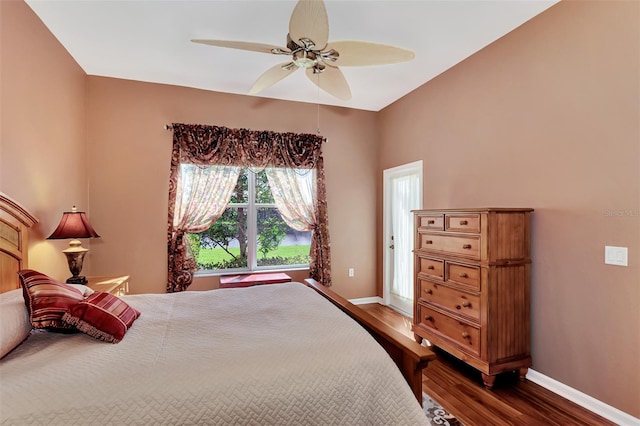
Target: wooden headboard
(15, 222)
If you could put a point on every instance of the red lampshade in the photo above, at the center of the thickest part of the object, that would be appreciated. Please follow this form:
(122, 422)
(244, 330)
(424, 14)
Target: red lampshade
(73, 224)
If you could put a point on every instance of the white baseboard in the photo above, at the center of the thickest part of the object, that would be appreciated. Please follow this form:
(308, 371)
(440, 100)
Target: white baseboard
(608, 412)
(365, 300)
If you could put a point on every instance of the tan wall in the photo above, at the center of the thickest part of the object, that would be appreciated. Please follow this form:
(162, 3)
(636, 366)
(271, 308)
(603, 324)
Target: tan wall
(43, 161)
(548, 117)
(130, 153)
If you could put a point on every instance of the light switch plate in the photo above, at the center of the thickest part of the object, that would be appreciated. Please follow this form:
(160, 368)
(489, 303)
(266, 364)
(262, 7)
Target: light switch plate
(615, 255)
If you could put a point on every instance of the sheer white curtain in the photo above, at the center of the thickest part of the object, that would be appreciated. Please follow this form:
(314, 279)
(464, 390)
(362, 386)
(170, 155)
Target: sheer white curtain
(294, 193)
(406, 198)
(202, 195)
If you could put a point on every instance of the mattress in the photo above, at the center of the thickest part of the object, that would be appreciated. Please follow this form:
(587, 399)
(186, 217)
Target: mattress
(264, 355)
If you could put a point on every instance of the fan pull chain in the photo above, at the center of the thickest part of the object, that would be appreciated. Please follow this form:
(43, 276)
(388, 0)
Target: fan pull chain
(318, 104)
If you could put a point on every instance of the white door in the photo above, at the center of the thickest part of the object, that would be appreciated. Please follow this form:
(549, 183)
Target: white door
(402, 193)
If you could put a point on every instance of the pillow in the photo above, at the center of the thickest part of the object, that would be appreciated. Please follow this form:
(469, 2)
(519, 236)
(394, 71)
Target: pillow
(14, 321)
(103, 316)
(47, 300)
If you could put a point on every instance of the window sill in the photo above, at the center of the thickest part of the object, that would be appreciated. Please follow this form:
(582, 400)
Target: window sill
(249, 280)
(247, 272)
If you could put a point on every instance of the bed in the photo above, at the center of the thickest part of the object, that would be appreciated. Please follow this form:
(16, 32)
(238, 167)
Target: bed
(292, 353)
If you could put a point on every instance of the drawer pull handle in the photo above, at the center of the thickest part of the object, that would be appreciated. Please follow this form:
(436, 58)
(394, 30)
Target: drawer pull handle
(464, 222)
(465, 335)
(428, 242)
(463, 275)
(428, 291)
(466, 246)
(466, 304)
(431, 267)
(431, 222)
(428, 318)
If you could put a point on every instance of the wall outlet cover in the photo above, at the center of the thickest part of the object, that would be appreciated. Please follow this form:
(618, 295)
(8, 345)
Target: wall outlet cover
(616, 255)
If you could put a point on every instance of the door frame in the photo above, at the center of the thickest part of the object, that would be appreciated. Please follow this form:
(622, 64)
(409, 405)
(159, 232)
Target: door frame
(387, 174)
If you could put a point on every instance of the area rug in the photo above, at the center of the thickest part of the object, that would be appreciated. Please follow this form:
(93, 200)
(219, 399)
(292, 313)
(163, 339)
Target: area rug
(437, 415)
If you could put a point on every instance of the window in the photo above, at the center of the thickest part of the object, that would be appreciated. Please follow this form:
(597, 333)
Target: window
(251, 233)
(199, 195)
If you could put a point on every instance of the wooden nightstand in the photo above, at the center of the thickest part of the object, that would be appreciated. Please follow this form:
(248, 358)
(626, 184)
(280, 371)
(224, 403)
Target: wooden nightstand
(114, 285)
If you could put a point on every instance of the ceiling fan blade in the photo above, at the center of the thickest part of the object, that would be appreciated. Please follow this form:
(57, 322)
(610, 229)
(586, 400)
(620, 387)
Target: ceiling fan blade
(272, 76)
(309, 20)
(332, 81)
(242, 45)
(364, 53)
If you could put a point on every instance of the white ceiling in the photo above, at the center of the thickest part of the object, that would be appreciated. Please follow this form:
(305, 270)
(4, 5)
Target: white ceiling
(149, 40)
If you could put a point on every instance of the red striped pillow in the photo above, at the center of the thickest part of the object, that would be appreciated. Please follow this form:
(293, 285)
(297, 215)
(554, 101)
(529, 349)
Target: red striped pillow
(103, 316)
(47, 300)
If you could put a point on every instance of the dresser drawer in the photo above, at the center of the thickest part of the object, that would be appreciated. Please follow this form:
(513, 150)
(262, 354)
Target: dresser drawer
(458, 332)
(460, 245)
(468, 276)
(431, 222)
(431, 267)
(469, 222)
(458, 301)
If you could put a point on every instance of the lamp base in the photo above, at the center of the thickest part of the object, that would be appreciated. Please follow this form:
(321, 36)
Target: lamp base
(75, 254)
(77, 280)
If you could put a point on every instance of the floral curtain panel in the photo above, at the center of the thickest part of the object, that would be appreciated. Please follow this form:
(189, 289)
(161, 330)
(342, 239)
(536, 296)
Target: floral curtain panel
(294, 192)
(205, 194)
(203, 145)
(206, 191)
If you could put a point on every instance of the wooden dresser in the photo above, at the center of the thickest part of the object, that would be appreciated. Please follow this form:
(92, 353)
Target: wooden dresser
(472, 281)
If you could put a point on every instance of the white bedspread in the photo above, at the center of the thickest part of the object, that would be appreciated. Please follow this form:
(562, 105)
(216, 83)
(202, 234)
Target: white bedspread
(265, 355)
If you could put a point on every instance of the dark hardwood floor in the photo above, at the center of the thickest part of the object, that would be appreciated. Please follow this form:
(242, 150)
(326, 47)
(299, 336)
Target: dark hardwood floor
(459, 389)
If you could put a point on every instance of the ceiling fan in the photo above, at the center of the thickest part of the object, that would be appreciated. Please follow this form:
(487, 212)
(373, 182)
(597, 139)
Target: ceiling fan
(308, 46)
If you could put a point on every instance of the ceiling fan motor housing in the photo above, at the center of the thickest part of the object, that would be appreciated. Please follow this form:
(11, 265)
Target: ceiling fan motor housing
(304, 56)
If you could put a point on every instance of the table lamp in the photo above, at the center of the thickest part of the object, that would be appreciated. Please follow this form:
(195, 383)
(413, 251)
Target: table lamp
(74, 224)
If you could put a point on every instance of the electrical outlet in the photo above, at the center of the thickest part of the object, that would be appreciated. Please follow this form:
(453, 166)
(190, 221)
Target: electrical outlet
(352, 272)
(616, 255)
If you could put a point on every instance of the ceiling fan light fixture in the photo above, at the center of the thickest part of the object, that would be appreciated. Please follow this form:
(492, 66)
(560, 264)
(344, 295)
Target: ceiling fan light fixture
(305, 59)
(289, 66)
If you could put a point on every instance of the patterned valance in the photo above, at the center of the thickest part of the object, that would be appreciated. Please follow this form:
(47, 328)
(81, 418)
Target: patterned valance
(203, 144)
